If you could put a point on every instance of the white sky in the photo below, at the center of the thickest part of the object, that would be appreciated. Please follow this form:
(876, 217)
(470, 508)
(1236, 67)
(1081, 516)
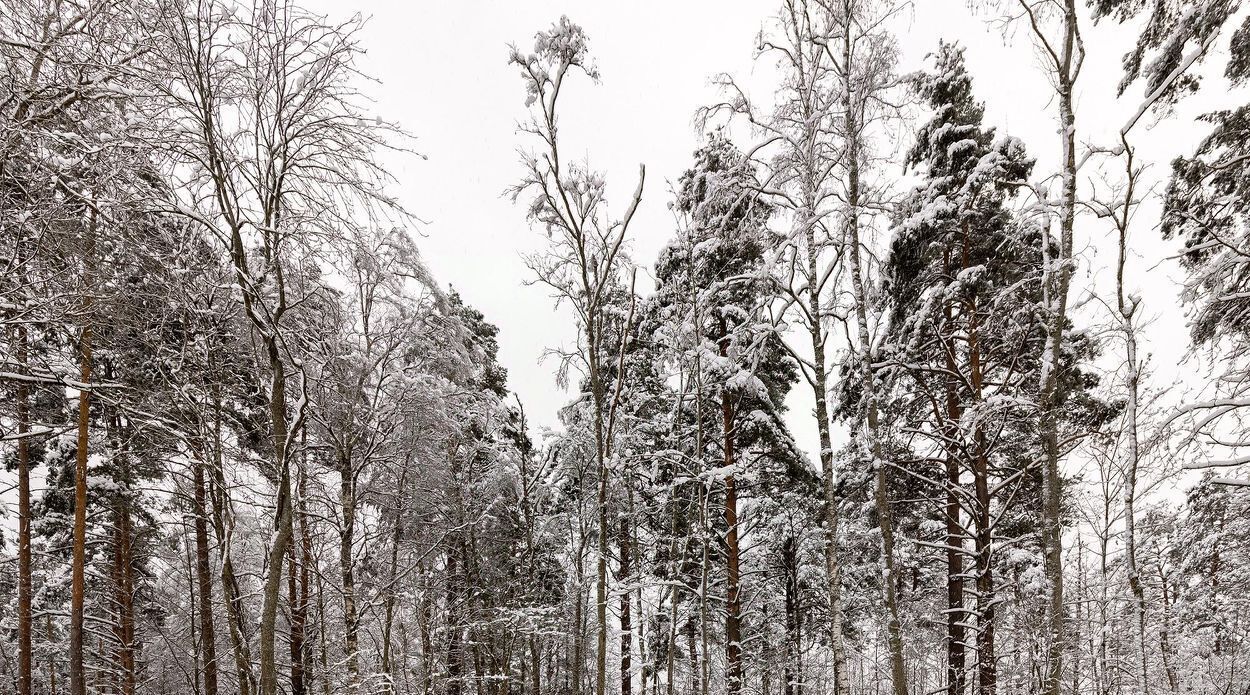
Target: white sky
(444, 76)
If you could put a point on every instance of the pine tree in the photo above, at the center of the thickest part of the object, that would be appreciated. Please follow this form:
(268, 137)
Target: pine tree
(1207, 205)
(961, 325)
(711, 287)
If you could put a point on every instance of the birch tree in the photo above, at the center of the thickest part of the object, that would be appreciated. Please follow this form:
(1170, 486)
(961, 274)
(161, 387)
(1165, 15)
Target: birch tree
(863, 57)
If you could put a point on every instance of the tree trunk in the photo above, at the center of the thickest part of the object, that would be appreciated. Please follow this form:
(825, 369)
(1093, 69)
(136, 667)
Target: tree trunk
(347, 499)
(601, 587)
(650, 666)
(305, 568)
(1130, 512)
(956, 660)
(282, 523)
(1165, 645)
(296, 609)
(1127, 309)
(627, 632)
(321, 635)
(793, 646)
(898, 671)
(392, 596)
(987, 664)
(705, 571)
(536, 665)
(674, 602)
(955, 614)
(455, 652)
(820, 386)
(77, 676)
(579, 617)
(124, 629)
(25, 668)
(231, 596)
(1056, 276)
(424, 616)
(51, 659)
(203, 575)
(25, 676)
(733, 601)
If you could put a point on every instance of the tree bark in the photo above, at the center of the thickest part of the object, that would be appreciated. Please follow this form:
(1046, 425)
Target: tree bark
(296, 608)
(455, 651)
(956, 659)
(305, 568)
(347, 499)
(705, 654)
(282, 522)
(124, 629)
(1165, 645)
(733, 601)
(203, 575)
(987, 664)
(793, 646)
(1127, 308)
(627, 633)
(898, 671)
(674, 601)
(579, 612)
(833, 568)
(388, 619)
(601, 454)
(25, 668)
(1057, 274)
(321, 635)
(77, 676)
(223, 530)
(424, 616)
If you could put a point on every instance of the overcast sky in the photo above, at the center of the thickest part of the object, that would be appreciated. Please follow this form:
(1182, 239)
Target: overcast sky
(444, 76)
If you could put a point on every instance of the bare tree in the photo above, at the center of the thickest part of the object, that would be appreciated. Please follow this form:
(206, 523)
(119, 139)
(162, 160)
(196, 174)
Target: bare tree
(585, 259)
(864, 55)
(1055, 28)
(274, 156)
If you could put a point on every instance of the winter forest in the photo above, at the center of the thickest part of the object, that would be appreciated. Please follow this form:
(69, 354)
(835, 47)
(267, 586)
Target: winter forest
(882, 410)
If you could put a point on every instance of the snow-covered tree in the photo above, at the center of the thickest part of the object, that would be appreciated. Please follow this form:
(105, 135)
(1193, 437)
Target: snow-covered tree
(584, 263)
(712, 290)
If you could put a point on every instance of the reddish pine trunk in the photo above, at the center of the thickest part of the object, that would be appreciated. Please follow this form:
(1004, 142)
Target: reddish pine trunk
(77, 676)
(124, 629)
(955, 615)
(987, 663)
(24, 588)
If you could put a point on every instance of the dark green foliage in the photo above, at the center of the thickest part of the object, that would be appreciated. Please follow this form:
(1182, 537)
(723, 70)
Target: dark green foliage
(1173, 28)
